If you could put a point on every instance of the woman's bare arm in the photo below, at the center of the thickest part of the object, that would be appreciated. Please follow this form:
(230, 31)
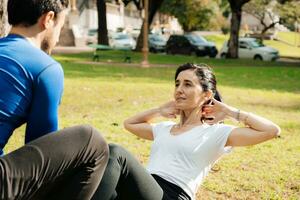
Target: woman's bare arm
(140, 125)
(257, 129)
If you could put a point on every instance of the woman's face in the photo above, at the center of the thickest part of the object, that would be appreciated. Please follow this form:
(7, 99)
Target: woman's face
(188, 92)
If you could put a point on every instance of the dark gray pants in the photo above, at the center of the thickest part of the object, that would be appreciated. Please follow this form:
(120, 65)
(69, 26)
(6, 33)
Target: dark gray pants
(126, 179)
(68, 164)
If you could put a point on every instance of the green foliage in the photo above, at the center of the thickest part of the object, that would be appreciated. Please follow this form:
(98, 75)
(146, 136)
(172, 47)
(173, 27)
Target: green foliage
(289, 13)
(224, 7)
(195, 14)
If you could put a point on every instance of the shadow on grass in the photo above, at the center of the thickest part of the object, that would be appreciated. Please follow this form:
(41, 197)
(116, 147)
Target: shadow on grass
(237, 73)
(118, 56)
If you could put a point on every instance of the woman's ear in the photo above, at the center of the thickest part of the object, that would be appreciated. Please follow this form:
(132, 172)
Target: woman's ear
(208, 95)
(206, 98)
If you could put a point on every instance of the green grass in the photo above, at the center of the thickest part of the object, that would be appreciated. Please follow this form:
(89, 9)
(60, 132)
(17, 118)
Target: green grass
(105, 95)
(293, 38)
(284, 49)
(218, 39)
(289, 48)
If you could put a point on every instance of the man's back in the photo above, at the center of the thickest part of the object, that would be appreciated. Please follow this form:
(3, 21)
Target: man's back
(31, 84)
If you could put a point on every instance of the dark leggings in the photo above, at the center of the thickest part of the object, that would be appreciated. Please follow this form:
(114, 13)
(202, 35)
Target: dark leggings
(68, 164)
(125, 178)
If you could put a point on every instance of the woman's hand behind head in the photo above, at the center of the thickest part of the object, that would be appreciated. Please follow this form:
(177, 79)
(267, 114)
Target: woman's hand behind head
(169, 110)
(214, 112)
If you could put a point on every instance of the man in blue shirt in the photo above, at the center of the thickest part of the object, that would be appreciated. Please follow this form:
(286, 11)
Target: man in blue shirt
(31, 81)
(68, 164)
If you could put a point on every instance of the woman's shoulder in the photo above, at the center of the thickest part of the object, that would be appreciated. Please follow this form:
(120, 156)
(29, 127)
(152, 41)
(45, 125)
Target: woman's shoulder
(221, 125)
(163, 125)
(222, 128)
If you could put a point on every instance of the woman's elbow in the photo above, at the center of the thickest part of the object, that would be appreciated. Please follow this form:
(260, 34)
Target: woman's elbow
(126, 124)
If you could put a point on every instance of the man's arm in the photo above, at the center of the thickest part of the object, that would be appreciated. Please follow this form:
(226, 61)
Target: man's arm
(43, 112)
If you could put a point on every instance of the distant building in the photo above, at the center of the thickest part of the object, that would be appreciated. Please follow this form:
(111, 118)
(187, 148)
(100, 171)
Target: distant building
(84, 17)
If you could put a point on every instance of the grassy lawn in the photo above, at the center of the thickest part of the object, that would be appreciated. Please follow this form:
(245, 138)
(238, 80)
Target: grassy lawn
(291, 47)
(105, 95)
(218, 39)
(292, 38)
(284, 49)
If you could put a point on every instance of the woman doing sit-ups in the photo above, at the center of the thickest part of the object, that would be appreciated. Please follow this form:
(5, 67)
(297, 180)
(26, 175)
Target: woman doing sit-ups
(182, 153)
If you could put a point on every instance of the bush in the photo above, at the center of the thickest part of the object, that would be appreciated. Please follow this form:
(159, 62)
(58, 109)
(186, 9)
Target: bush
(225, 30)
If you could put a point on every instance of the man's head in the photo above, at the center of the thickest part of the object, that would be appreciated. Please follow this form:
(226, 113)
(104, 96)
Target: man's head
(46, 15)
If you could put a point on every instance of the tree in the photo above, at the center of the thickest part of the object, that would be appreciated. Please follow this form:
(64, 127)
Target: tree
(4, 27)
(102, 23)
(264, 11)
(192, 14)
(154, 6)
(289, 13)
(236, 16)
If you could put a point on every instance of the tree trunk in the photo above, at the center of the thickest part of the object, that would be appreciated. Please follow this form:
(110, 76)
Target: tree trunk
(234, 34)
(4, 26)
(102, 24)
(236, 16)
(154, 5)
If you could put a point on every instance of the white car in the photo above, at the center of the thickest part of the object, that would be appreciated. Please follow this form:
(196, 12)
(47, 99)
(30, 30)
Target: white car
(92, 36)
(157, 43)
(252, 48)
(121, 40)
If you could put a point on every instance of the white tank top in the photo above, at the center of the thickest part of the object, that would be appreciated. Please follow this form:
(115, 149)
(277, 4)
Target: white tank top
(185, 159)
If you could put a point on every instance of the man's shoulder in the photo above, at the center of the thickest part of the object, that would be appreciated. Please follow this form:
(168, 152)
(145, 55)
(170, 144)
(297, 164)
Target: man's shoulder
(21, 53)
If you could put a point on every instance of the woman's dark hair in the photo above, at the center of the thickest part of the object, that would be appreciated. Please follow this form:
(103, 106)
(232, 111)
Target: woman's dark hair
(206, 79)
(205, 76)
(27, 12)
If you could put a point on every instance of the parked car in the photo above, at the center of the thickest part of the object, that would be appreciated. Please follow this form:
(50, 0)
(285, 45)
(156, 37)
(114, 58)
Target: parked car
(92, 36)
(254, 49)
(135, 33)
(121, 40)
(157, 43)
(191, 44)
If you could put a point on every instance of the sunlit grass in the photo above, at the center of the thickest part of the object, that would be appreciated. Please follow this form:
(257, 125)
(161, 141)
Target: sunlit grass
(218, 39)
(290, 47)
(293, 38)
(284, 49)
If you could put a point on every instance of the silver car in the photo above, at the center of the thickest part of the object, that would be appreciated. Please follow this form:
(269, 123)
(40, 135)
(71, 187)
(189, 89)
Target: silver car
(157, 43)
(121, 40)
(252, 48)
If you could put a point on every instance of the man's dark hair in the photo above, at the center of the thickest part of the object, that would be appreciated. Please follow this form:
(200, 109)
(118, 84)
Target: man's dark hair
(27, 12)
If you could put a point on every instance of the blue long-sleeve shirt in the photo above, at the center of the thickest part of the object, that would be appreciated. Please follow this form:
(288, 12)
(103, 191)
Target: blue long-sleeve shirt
(31, 85)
